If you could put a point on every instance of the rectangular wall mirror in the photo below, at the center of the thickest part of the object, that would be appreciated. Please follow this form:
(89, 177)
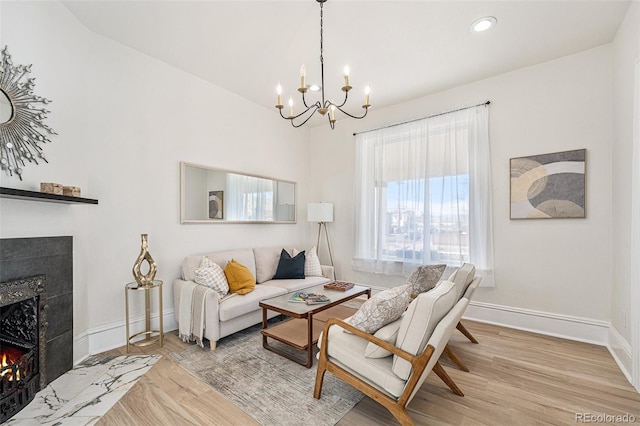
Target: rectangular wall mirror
(210, 195)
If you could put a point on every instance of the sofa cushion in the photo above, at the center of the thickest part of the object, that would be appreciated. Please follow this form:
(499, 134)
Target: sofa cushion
(381, 309)
(347, 351)
(238, 305)
(290, 267)
(388, 333)
(463, 277)
(267, 259)
(295, 285)
(244, 256)
(210, 274)
(422, 317)
(425, 278)
(239, 277)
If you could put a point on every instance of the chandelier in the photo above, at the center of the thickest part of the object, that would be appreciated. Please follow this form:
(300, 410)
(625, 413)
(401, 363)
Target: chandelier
(322, 106)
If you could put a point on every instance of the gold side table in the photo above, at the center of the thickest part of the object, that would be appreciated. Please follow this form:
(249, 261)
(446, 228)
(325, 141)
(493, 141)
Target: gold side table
(151, 336)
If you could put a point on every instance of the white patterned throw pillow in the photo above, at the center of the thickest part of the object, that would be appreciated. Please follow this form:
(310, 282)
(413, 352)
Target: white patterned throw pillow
(312, 266)
(383, 308)
(425, 278)
(211, 275)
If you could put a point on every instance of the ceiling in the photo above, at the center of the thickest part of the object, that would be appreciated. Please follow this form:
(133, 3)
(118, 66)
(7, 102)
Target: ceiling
(402, 49)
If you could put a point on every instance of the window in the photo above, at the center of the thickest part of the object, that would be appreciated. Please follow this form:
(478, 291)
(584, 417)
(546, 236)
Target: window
(423, 194)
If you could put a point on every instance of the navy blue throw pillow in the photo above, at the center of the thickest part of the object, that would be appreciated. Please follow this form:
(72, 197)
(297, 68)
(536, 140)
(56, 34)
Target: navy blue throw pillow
(290, 267)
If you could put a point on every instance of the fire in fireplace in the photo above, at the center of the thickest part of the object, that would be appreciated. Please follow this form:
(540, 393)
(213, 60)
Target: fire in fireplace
(12, 365)
(22, 343)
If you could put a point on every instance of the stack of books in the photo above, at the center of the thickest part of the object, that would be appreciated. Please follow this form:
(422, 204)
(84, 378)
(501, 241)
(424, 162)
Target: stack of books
(309, 298)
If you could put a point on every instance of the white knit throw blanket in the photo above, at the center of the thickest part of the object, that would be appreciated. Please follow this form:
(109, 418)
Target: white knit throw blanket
(191, 318)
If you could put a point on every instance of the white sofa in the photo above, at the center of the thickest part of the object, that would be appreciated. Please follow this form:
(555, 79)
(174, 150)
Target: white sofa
(237, 312)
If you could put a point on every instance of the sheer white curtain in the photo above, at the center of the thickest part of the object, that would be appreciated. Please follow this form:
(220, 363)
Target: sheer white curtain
(424, 194)
(249, 198)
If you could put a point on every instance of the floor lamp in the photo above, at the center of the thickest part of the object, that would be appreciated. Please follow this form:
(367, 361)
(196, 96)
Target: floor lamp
(322, 213)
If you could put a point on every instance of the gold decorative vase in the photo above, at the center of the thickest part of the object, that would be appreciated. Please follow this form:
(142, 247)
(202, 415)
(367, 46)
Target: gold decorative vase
(146, 279)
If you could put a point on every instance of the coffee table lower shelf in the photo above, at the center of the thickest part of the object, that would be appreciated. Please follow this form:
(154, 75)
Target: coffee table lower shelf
(302, 331)
(293, 332)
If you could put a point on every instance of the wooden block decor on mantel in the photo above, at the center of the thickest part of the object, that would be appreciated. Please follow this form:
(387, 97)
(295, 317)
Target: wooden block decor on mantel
(58, 189)
(72, 191)
(51, 188)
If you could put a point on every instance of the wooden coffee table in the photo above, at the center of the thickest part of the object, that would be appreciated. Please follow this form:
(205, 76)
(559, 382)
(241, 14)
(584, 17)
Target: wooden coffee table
(307, 321)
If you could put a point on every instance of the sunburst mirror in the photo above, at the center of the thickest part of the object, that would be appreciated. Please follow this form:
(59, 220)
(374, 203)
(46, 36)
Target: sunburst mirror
(22, 115)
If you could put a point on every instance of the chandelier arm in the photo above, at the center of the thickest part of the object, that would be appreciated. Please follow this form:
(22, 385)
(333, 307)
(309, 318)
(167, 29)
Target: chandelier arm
(366, 110)
(307, 119)
(346, 95)
(304, 101)
(316, 105)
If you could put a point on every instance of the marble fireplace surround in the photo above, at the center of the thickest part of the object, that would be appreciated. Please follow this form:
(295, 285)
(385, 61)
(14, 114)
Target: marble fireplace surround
(52, 257)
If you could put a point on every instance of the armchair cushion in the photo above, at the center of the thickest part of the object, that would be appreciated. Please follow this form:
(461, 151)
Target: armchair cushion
(347, 351)
(388, 333)
(418, 323)
(462, 277)
(384, 307)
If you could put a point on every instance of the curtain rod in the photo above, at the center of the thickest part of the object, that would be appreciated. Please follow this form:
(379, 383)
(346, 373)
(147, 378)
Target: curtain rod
(423, 118)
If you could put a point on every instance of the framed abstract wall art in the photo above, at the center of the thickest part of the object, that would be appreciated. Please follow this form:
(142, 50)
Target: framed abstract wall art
(216, 204)
(549, 186)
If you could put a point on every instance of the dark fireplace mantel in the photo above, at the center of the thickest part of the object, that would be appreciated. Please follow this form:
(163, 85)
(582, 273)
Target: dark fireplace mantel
(42, 196)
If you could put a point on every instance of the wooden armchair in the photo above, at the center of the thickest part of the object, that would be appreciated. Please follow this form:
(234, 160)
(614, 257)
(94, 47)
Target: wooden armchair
(393, 380)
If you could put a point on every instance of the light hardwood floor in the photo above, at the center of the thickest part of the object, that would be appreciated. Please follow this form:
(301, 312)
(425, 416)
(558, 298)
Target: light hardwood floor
(516, 378)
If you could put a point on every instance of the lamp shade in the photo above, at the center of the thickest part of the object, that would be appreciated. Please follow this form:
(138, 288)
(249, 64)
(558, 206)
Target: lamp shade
(320, 212)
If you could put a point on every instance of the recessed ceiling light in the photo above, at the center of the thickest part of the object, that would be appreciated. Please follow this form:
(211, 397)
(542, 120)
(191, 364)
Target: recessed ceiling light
(314, 88)
(483, 24)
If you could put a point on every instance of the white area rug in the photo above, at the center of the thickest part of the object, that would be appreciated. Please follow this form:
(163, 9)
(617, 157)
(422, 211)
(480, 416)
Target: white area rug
(81, 396)
(270, 388)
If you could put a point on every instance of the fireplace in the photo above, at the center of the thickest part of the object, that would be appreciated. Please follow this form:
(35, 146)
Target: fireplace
(37, 277)
(22, 343)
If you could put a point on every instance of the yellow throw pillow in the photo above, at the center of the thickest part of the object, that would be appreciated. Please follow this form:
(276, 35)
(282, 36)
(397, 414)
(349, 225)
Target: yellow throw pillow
(240, 279)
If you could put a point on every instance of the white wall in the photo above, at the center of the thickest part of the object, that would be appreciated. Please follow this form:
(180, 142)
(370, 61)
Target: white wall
(625, 303)
(555, 266)
(125, 122)
(626, 51)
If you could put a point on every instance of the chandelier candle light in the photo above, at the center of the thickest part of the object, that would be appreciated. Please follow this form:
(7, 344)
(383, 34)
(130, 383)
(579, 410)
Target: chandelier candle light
(322, 106)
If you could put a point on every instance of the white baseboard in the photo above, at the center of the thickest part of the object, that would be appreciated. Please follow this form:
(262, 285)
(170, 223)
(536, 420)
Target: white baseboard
(557, 325)
(580, 329)
(101, 339)
(620, 350)
(80, 348)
